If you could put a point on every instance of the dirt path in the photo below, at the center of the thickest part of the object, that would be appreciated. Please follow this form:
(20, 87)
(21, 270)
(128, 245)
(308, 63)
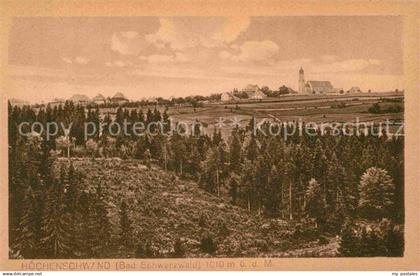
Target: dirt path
(328, 250)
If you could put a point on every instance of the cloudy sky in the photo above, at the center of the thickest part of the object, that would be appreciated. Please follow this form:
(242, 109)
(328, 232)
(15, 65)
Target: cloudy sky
(179, 56)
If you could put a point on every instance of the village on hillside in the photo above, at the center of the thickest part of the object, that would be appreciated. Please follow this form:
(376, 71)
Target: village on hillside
(251, 92)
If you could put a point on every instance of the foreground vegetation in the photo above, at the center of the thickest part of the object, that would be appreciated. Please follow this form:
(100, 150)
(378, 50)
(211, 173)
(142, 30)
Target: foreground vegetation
(249, 195)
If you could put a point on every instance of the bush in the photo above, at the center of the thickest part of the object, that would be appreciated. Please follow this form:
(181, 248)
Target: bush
(322, 240)
(375, 108)
(145, 251)
(305, 231)
(223, 230)
(179, 251)
(207, 244)
(203, 220)
(371, 240)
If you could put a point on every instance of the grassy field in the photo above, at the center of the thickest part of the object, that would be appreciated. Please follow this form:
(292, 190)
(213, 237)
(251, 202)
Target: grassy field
(306, 109)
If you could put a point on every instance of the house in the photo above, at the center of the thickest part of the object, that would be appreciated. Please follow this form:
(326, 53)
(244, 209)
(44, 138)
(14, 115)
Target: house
(318, 87)
(119, 98)
(313, 87)
(152, 100)
(228, 96)
(254, 92)
(99, 99)
(57, 102)
(18, 102)
(354, 89)
(80, 99)
(258, 95)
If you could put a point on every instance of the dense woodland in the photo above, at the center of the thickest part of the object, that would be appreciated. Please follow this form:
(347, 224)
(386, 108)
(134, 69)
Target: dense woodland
(351, 186)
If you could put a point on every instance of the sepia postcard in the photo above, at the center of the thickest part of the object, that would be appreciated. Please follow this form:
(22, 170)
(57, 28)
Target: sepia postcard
(209, 135)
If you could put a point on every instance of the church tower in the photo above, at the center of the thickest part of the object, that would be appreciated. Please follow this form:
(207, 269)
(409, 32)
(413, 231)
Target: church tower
(301, 81)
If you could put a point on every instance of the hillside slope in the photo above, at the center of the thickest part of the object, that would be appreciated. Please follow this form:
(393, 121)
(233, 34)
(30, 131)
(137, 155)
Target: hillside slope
(164, 208)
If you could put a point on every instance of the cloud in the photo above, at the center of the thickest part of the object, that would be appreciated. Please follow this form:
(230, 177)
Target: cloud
(178, 57)
(128, 43)
(81, 60)
(328, 58)
(67, 60)
(349, 65)
(253, 51)
(77, 60)
(178, 33)
(232, 28)
(187, 32)
(118, 63)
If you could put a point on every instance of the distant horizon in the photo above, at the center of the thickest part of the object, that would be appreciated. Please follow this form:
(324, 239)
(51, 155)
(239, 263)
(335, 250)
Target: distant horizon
(167, 98)
(182, 56)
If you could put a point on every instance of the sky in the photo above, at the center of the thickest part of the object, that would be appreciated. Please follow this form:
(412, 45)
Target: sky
(56, 57)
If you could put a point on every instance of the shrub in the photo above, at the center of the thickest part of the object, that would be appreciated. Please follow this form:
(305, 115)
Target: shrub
(202, 220)
(322, 240)
(179, 251)
(375, 108)
(223, 230)
(207, 244)
(145, 251)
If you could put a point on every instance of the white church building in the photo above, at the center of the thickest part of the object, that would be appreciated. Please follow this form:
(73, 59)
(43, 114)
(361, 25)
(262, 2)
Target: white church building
(314, 87)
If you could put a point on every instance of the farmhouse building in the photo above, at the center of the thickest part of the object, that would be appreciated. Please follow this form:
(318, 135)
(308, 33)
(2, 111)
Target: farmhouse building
(80, 99)
(354, 89)
(99, 99)
(119, 98)
(56, 102)
(314, 87)
(254, 92)
(228, 96)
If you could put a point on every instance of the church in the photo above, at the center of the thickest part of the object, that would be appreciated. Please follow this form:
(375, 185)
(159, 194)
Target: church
(313, 87)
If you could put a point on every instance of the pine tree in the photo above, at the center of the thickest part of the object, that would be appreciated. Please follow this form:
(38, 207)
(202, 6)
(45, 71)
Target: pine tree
(315, 204)
(56, 240)
(394, 241)
(103, 232)
(247, 184)
(179, 250)
(212, 168)
(28, 233)
(235, 153)
(349, 242)
(179, 149)
(252, 149)
(233, 187)
(376, 194)
(125, 225)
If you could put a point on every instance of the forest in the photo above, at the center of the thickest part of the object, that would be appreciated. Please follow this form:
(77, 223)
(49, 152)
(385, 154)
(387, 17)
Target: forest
(346, 186)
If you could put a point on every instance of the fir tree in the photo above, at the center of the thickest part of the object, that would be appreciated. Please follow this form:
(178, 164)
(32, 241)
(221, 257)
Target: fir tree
(27, 241)
(376, 193)
(315, 204)
(56, 240)
(126, 230)
(349, 242)
(235, 153)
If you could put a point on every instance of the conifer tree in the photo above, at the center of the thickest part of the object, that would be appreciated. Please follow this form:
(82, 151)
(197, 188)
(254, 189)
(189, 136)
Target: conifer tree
(28, 233)
(104, 226)
(126, 230)
(349, 242)
(376, 194)
(56, 240)
(315, 204)
(235, 153)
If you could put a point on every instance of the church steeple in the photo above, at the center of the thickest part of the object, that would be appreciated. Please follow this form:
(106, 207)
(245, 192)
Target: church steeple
(301, 80)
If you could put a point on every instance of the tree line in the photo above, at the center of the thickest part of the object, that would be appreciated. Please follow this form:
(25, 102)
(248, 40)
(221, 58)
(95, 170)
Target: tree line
(328, 182)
